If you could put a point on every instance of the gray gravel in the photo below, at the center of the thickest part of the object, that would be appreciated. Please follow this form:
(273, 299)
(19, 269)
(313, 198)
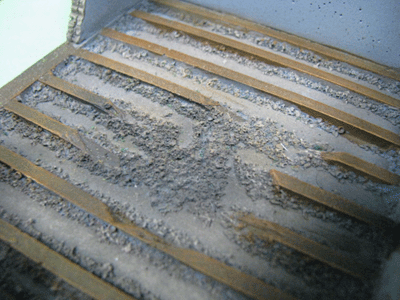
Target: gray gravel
(382, 83)
(191, 181)
(130, 25)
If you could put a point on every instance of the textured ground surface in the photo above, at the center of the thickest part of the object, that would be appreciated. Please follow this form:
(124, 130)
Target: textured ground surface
(185, 170)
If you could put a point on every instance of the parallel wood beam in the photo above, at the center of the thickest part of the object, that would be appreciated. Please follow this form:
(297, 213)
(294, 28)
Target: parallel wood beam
(323, 50)
(268, 56)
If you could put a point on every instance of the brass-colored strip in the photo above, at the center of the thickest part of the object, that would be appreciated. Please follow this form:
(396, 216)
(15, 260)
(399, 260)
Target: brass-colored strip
(330, 200)
(55, 184)
(28, 77)
(59, 265)
(361, 166)
(274, 232)
(268, 56)
(146, 77)
(101, 103)
(235, 279)
(152, 47)
(351, 123)
(63, 131)
(323, 50)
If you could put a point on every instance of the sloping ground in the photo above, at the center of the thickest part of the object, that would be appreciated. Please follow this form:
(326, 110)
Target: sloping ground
(175, 157)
